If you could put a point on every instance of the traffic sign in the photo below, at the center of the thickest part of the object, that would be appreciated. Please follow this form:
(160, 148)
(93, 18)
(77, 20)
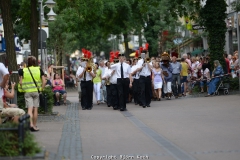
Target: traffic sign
(197, 27)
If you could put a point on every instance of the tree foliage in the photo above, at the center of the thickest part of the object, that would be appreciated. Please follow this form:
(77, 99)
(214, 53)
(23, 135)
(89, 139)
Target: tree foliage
(213, 18)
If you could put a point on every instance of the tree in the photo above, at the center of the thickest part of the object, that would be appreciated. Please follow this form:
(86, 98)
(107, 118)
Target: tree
(213, 18)
(5, 6)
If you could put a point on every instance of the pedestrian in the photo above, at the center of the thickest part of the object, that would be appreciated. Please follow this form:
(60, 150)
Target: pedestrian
(32, 81)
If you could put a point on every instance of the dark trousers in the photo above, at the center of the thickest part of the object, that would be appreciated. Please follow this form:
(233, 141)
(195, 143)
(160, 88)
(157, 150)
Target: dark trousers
(108, 95)
(114, 96)
(87, 94)
(123, 91)
(145, 90)
(176, 84)
(136, 90)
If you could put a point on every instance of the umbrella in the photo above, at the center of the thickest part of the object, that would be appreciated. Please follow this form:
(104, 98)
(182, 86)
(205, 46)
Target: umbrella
(197, 51)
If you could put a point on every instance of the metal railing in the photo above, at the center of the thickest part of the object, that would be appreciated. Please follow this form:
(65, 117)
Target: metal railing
(23, 126)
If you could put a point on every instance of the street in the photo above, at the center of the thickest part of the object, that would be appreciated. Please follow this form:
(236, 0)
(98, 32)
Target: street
(203, 128)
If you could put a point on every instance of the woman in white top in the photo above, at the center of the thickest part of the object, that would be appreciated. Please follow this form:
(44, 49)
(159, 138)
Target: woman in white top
(194, 68)
(157, 80)
(205, 78)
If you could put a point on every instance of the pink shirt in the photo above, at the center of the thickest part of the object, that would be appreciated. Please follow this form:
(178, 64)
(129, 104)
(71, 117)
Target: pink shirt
(57, 87)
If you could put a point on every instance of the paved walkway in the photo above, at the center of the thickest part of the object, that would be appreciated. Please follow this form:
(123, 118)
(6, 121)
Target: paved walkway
(203, 128)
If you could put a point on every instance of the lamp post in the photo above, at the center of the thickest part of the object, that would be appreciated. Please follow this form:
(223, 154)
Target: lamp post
(51, 16)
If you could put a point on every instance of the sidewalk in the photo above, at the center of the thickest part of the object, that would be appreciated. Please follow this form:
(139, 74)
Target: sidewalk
(52, 128)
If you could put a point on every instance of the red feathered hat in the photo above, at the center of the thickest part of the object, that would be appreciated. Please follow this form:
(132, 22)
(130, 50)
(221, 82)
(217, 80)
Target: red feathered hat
(136, 54)
(146, 46)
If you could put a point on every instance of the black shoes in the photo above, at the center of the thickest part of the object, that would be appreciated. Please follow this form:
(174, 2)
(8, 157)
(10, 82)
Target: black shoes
(122, 109)
(83, 108)
(144, 106)
(148, 105)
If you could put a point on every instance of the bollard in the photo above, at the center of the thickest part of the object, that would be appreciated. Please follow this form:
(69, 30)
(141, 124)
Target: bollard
(45, 103)
(20, 134)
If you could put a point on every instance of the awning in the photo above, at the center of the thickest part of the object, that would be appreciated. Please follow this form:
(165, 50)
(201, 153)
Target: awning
(197, 51)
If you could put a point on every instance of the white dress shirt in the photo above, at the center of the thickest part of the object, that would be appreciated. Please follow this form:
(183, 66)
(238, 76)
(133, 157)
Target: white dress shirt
(88, 76)
(133, 69)
(112, 78)
(117, 68)
(146, 71)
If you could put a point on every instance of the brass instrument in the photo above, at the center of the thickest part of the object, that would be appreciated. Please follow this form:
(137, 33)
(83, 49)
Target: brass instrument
(107, 82)
(90, 66)
(147, 60)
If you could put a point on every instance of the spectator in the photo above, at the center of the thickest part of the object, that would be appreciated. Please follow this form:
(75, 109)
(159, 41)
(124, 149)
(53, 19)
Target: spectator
(218, 71)
(103, 96)
(184, 74)
(58, 88)
(10, 110)
(157, 80)
(205, 78)
(227, 69)
(176, 84)
(27, 78)
(97, 85)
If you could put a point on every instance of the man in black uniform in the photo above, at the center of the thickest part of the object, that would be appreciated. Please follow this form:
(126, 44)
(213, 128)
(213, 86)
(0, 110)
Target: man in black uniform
(86, 76)
(124, 80)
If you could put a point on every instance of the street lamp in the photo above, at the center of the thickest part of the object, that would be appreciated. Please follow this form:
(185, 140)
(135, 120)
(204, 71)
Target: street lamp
(51, 16)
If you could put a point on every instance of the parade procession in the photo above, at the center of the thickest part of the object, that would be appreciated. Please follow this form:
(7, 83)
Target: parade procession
(119, 79)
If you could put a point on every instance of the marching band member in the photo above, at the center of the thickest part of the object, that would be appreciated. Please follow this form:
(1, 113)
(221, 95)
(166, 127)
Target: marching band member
(85, 75)
(145, 83)
(135, 76)
(124, 80)
(106, 77)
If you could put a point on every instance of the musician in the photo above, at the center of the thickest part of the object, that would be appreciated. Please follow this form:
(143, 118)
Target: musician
(135, 76)
(145, 82)
(124, 80)
(86, 77)
(106, 77)
(112, 93)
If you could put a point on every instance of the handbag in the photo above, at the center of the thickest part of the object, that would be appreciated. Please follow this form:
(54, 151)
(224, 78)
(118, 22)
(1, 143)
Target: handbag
(165, 73)
(41, 98)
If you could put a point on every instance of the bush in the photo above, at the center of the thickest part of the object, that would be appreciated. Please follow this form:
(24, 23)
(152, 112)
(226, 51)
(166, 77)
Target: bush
(234, 83)
(10, 144)
(50, 100)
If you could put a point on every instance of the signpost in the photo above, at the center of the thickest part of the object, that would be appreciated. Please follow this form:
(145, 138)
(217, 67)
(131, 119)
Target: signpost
(197, 27)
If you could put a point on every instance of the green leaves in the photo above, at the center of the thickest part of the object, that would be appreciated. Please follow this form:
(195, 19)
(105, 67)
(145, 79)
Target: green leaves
(213, 18)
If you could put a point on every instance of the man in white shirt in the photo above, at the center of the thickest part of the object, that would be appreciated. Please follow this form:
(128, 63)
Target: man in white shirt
(124, 80)
(112, 94)
(86, 86)
(135, 76)
(145, 83)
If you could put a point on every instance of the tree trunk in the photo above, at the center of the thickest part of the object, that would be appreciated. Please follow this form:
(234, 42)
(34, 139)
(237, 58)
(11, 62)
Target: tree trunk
(5, 6)
(34, 28)
(127, 52)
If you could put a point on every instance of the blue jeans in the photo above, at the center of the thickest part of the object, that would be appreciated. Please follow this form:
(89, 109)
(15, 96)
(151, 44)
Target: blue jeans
(213, 85)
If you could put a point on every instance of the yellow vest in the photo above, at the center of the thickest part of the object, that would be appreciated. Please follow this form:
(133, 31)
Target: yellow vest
(28, 84)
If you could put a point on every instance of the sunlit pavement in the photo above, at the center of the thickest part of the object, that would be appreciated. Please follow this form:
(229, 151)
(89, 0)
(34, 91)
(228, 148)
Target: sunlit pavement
(204, 128)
